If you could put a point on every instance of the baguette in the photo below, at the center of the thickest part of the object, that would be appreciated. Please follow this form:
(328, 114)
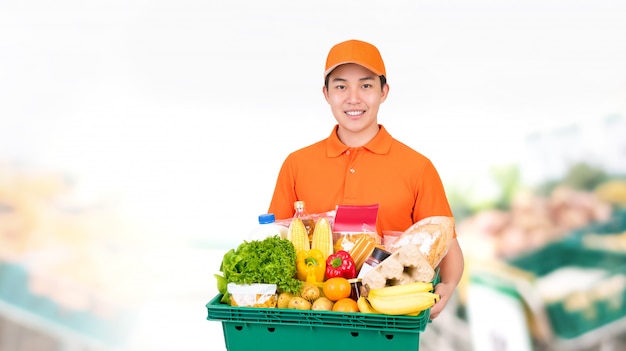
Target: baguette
(433, 235)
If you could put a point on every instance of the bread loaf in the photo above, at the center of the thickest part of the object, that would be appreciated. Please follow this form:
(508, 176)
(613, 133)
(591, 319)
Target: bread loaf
(433, 235)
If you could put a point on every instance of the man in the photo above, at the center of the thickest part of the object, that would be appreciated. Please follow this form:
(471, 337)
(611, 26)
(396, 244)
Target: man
(360, 163)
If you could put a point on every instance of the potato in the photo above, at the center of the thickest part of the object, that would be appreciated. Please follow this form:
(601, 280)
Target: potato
(322, 304)
(283, 300)
(310, 292)
(299, 303)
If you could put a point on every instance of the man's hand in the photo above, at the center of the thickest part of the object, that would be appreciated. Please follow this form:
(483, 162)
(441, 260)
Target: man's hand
(444, 291)
(450, 272)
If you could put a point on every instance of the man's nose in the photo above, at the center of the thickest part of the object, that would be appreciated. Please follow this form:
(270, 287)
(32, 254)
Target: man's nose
(354, 96)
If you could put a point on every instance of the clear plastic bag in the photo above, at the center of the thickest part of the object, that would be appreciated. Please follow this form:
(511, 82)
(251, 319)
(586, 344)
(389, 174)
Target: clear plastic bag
(433, 235)
(353, 222)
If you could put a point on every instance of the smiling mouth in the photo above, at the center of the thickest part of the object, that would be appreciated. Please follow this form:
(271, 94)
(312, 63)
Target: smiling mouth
(355, 113)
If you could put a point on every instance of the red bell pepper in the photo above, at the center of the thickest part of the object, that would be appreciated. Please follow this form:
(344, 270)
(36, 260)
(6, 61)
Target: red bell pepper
(340, 264)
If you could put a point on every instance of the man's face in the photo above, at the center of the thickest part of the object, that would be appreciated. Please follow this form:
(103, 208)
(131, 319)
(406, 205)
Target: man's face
(354, 95)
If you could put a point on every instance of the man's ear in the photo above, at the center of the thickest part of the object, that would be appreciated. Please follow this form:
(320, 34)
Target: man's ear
(325, 92)
(385, 92)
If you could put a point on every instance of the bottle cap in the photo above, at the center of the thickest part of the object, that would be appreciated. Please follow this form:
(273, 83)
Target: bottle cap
(380, 254)
(267, 218)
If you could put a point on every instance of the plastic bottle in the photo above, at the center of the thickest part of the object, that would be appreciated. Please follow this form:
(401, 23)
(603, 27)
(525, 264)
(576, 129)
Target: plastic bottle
(377, 256)
(267, 227)
(302, 213)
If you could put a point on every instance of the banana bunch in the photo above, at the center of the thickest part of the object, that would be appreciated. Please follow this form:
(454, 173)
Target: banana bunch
(406, 299)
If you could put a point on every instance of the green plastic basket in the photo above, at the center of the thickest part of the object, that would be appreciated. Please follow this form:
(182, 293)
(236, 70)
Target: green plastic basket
(613, 226)
(248, 328)
(567, 323)
(616, 224)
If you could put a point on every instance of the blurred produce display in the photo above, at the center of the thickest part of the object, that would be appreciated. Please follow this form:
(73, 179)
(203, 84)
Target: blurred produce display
(561, 245)
(524, 219)
(533, 221)
(613, 191)
(63, 259)
(581, 289)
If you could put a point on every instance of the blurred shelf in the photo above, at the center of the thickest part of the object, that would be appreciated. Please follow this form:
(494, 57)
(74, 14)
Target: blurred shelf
(67, 338)
(606, 337)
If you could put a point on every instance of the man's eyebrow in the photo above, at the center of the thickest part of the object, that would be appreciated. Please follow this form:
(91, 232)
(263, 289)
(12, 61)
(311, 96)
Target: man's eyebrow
(339, 79)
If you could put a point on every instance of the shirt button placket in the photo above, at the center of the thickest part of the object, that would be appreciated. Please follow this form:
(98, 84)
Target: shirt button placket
(350, 186)
(352, 159)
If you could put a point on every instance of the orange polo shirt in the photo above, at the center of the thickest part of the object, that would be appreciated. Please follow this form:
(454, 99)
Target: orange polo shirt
(403, 182)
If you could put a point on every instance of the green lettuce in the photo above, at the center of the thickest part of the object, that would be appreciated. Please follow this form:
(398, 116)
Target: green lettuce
(268, 261)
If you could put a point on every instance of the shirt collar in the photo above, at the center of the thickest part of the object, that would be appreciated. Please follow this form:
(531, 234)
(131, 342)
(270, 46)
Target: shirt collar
(380, 144)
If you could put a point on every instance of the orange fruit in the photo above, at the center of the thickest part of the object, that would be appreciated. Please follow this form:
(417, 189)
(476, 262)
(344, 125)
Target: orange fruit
(337, 288)
(345, 304)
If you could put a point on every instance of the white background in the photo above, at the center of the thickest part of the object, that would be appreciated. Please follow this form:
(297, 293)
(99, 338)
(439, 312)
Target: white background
(182, 112)
(188, 107)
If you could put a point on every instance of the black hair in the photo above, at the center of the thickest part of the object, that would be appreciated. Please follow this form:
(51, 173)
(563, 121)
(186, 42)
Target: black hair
(383, 81)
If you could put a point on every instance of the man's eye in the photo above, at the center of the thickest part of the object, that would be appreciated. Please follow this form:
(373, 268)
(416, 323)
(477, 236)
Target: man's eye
(341, 87)
(366, 86)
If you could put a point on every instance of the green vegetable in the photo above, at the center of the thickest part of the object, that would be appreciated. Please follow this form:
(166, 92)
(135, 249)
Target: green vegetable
(268, 261)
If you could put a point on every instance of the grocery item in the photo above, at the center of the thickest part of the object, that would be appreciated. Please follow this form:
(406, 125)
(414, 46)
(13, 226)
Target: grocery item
(311, 265)
(407, 288)
(252, 295)
(352, 222)
(336, 288)
(345, 305)
(310, 292)
(299, 303)
(340, 264)
(362, 249)
(298, 236)
(433, 235)
(307, 219)
(283, 299)
(365, 306)
(268, 261)
(390, 237)
(322, 304)
(323, 237)
(377, 256)
(406, 265)
(356, 286)
(267, 227)
(403, 303)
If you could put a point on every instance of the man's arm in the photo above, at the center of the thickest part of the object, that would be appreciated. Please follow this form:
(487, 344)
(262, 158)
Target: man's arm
(450, 273)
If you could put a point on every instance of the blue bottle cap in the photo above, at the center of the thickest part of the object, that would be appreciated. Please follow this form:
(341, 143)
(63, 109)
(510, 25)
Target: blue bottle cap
(267, 218)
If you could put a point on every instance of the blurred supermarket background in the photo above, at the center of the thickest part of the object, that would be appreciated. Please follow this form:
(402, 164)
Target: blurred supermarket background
(140, 140)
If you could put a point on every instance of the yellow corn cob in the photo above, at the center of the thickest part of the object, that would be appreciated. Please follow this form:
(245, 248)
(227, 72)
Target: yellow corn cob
(298, 235)
(323, 237)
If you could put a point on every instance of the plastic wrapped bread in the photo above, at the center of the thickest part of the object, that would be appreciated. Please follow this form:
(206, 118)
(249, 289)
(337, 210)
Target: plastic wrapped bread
(433, 235)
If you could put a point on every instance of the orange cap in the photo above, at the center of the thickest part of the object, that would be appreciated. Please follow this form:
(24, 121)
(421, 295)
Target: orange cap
(355, 51)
